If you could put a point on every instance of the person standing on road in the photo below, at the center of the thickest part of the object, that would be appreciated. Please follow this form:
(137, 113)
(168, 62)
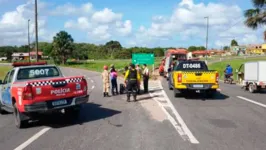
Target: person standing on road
(138, 68)
(132, 78)
(146, 76)
(112, 67)
(106, 81)
(114, 81)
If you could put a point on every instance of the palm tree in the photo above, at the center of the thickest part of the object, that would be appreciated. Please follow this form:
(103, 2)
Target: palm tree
(62, 47)
(257, 15)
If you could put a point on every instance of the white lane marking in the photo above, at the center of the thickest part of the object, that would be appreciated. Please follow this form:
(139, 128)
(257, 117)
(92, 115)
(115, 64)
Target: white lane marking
(33, 138)
(185, 130)
(93, 87)
(92, 81)
(88, 78)
(252, 101)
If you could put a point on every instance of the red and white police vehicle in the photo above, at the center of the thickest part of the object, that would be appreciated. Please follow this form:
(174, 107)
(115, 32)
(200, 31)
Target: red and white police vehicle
(32, 88)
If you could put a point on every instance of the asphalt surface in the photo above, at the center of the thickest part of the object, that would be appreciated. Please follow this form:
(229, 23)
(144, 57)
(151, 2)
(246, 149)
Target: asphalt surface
(225, 121)
(156, 121)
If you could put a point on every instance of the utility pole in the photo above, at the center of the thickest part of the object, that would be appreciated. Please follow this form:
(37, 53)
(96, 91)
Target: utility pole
(29, 37)
(207, 36)
(36, 30)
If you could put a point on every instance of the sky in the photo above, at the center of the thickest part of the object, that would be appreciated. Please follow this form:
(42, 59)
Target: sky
(149, 23)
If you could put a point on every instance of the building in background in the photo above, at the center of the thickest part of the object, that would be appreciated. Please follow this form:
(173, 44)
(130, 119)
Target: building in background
(238, 50)
(33, 55)
(20, 56)
(26, 56)
(255, 49)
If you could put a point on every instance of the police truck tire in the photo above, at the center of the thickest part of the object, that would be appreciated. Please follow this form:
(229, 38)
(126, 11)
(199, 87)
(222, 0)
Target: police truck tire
(1, 110)
(73, 111)
(18, 118)
(176, 93)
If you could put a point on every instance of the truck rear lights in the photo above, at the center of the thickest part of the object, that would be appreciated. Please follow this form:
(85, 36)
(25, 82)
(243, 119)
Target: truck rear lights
(27, 93)
(217, 77)
(179, 78)
(84, 81)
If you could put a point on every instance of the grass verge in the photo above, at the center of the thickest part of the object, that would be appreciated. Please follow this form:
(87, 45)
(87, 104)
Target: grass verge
(97, 65)
(220, 66)
(3, 71)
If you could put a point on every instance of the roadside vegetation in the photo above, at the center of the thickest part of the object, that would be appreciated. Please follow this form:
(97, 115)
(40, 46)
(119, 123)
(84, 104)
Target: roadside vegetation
(3, 71)
(97, 65)
(236, 63)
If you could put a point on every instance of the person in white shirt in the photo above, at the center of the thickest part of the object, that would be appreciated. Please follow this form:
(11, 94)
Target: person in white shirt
(145, 78)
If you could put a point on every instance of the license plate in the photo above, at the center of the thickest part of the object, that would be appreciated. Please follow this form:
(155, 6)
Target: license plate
(198, 86)
(60, 102)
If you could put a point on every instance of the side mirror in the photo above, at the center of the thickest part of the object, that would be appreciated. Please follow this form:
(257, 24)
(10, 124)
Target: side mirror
(1, 82)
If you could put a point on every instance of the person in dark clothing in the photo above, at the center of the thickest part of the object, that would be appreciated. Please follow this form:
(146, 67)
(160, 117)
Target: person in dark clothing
(145, 78)
(132, 78)
(113, 75)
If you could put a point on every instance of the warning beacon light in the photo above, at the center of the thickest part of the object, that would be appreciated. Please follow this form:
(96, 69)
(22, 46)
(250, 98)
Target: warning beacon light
(18, 64)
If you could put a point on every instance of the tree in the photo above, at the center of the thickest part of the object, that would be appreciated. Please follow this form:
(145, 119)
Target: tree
(234, 43)
(62, 47)
(202, 48)
(226, 48)
(111, 46)
(256, 16)
(192, 48)
(46, 48)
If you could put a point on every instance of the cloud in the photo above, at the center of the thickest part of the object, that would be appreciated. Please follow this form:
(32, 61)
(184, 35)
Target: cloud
(14, 24)
(100, 25)
(69, 9)
(105, 16)
(188, 22)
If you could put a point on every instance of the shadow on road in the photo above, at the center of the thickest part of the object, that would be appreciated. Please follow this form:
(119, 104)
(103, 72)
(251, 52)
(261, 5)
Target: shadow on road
(153, 91)
(201, 96)
(146, 98)
(89, 112)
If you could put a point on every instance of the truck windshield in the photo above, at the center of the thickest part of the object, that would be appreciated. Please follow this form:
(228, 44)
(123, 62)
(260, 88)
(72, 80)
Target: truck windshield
(191, 65)
(37, 72)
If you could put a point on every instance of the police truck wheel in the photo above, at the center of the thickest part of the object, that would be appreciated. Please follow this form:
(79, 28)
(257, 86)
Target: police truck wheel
(18, 118)
(176, 93)
(252, 88)
(1, 110)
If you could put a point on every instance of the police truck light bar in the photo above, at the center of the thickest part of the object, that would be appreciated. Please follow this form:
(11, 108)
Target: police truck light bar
(18, 64)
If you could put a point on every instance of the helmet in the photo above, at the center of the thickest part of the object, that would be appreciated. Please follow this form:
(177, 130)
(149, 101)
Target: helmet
(105, 67)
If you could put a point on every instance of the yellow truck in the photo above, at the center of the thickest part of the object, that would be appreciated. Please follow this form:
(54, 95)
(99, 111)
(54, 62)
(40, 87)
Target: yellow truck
(193, 76)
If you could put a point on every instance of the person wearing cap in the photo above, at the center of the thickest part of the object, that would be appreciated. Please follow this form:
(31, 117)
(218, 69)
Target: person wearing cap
(106, 81)
(146, 76)
(132, 79)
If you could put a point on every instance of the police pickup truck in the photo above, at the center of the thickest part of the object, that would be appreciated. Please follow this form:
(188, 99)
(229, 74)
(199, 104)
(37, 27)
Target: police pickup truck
(193, 76)
(30, 89)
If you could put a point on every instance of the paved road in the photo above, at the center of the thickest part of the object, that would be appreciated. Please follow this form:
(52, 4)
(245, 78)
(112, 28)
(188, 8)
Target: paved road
(225, 121)
(104, 123)
(156, 121)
